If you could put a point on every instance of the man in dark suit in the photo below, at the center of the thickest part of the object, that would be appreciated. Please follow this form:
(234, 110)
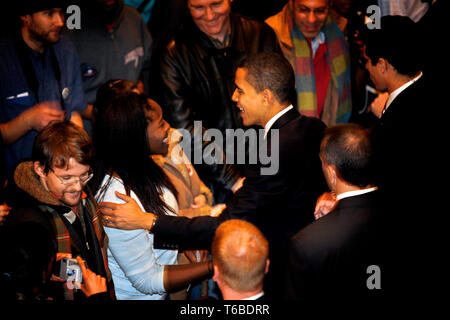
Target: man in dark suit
(394, 65)
(330, 257)
(279, 204)
(405, 145)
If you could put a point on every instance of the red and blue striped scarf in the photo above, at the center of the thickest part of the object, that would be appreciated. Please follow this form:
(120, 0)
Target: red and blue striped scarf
(338, 61)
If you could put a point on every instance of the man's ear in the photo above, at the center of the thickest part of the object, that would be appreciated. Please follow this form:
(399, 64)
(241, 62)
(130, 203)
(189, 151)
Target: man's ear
(333, 174)
(39, 169)
(267, 266)
(268, 96)
(382, 64)
(216, 275)
(25, 18)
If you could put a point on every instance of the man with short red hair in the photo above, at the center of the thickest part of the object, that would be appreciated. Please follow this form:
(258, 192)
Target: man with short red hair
(241, 260)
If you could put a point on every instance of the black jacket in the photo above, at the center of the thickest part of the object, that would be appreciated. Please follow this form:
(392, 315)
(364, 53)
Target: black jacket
(31, 232)
(279, 205)
(194, 81)
(329, 258)
(400, 138)
(408, 148)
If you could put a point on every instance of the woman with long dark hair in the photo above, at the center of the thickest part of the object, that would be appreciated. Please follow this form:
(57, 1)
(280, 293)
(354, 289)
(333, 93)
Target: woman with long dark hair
(123, 164)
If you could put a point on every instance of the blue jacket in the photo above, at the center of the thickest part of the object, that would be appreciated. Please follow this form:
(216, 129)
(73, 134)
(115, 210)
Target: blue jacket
(17, 94)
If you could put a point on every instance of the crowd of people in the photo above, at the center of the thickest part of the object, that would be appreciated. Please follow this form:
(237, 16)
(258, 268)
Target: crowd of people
(103, 196)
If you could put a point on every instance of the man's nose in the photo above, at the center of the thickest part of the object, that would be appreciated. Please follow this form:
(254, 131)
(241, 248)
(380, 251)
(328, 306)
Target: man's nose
(59, 20)
(234, 97)
(209, 14)
(78, 185)
(312, 17)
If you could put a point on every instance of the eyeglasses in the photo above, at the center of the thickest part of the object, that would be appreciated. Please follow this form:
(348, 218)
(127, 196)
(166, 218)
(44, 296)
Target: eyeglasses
(71, 180)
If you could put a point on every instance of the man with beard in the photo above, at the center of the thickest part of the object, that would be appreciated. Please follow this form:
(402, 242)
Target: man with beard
(55, 217)
(39, 79)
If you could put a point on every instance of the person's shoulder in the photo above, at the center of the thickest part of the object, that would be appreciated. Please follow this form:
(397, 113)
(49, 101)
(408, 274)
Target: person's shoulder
(109, 186)
(317, 237)
(181, 44)
(6, 47)
(131, 11)
(131, 14)
(27, 215)
(312, 125)
(65, 45)
(278, 19)
(308, 125)
(5, 41)
(313, 121)
(298, 131)
(246, 19)
(250, 24)
(278, 16)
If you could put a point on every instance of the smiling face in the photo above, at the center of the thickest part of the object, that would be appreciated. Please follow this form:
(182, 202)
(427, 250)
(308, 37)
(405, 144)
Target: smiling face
(212, 17)
(310, 16)
(69, 195)
(157, 129)
(248, 100)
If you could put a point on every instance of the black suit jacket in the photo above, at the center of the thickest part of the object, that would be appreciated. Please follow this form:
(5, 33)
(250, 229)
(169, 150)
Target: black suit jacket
(279, 205)
(408, 148)
(330, 257)
(406, 140)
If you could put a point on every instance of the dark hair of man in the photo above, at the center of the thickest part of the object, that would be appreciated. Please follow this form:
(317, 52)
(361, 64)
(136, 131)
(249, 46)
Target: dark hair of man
(348, 147)
(60, 141)
(398, 42)
(121, 148)
(270, 70)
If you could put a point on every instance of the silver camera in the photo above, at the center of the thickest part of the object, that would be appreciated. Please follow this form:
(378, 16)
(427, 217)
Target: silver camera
(70, 270)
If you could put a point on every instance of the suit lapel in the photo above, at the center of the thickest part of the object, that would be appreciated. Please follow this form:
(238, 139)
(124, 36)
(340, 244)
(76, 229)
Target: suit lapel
(284, 119)
(399, 102)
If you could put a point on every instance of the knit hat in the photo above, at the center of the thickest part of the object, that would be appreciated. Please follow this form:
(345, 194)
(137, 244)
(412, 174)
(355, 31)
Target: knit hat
(32, 6)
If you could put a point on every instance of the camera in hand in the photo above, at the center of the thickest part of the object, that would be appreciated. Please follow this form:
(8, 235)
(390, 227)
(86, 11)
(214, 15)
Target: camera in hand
(70, 270)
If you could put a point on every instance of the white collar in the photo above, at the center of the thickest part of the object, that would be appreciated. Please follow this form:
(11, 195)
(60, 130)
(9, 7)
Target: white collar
(256, 296)
(354, 193)
(317, 41)
(397, 91)
(270, 123)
